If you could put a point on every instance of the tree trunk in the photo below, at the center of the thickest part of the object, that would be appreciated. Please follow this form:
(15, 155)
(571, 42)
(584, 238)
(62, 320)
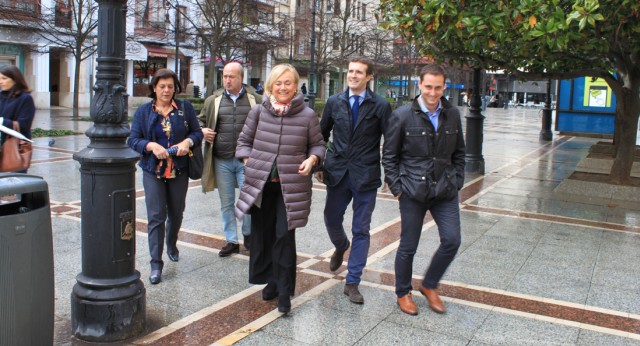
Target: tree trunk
(627, 112)
(210, 78)
(76, 80)
(212, 73)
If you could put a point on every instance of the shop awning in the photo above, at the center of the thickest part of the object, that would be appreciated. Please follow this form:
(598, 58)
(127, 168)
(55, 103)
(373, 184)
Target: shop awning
(135, 51)
(162, 52)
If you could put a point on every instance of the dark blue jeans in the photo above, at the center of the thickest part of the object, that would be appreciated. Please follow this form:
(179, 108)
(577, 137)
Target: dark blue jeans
(338, 198)
(446, 214)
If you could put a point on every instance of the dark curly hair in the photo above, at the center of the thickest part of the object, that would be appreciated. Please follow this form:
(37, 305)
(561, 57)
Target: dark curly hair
(161, 74)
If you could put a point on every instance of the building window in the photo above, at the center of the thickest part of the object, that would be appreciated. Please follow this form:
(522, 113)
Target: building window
(364, 12)
(300, 42)
(7, 60)
(63, 14)
(336, 40)
(29, 8)
(265, 15)
(329, 7)
(153, 13)
(336, 7)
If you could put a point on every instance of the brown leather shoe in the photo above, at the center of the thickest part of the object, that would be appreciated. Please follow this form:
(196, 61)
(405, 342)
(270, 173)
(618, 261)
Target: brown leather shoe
(351, 290)
(336, 258)
(434, 299)
(407, 305)
(229, 249)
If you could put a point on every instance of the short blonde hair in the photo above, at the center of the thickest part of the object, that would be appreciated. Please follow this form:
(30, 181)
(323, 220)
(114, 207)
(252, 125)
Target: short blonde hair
(276, 72)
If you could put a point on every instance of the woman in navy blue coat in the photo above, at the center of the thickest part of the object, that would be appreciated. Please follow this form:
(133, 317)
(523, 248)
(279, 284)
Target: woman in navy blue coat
(163, 131)
(16, 104)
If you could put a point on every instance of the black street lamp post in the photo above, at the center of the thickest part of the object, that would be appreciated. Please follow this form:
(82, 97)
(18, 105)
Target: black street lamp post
(545, 133)
(474, 138)
(108, 301)
(312, 67)
(399, 97)
(177, 65)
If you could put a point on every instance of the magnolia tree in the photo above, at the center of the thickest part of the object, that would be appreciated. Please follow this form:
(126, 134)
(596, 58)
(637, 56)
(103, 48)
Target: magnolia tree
(546, 39)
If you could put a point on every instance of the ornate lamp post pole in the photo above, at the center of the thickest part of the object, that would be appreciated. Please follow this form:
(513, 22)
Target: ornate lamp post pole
(475, 120)
(108, 301)
(312, 67)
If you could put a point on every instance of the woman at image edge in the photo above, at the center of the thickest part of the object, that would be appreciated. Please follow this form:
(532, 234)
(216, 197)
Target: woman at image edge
(280, 143)
(161, 124)
(16, 104)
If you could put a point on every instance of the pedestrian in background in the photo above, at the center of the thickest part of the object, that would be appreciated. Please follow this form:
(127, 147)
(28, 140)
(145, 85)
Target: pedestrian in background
(303, 88)
(280, 143)
(354, 119)
(423, 160)
(189, 90)
(17, 108)
(163, 131)
(222, 119)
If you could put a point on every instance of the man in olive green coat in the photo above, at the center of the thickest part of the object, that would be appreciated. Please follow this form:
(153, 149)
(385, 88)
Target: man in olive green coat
(222, 119)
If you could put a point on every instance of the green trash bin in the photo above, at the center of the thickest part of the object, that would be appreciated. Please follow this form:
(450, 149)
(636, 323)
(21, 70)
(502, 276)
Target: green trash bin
(26, 261)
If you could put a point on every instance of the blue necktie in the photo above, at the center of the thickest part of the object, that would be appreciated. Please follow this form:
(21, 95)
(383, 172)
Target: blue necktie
(354, 109)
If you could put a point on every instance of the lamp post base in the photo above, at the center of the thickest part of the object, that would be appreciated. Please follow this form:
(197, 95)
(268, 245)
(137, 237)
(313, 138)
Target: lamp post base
(546, 135)
(474, 166)
(101, 317)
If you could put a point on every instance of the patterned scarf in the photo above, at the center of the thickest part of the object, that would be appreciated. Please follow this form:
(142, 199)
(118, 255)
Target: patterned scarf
(165, 168)
(280, 108)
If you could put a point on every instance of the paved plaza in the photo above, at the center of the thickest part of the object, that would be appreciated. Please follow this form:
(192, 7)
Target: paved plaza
(537, 266)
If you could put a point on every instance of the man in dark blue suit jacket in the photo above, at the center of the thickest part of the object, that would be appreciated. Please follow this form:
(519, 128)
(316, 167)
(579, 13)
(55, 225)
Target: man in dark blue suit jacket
(355, 118)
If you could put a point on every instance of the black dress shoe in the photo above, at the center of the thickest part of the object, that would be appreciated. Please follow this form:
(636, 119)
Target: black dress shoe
(175, 257)
(284, 304)
(270, 292)
(155, 277)
(247, 242)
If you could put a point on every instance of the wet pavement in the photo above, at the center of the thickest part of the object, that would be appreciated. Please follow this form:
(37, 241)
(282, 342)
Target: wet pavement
(538, 265)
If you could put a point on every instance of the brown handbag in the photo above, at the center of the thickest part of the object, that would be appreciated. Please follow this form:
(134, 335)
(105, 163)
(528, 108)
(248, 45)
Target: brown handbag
(16, 153)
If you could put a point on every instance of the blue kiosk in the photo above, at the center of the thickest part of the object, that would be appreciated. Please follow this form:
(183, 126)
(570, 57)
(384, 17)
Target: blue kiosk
(586, 106)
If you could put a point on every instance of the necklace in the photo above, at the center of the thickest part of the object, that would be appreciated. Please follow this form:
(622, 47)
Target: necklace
(163, 110)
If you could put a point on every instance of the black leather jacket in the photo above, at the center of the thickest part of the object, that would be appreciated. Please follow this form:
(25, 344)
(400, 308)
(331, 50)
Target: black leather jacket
(354, 150)
(425, 164)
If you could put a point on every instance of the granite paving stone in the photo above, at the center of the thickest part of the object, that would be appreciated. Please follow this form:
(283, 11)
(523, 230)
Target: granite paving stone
(387, 333)
(261, 337)
(551, 284)
(318, 325)
(610, 296)
(501, 329)
(591, 338)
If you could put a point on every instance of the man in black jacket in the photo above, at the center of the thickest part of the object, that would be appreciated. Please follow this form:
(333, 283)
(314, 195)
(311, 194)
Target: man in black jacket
(423, 160)
(352, 168)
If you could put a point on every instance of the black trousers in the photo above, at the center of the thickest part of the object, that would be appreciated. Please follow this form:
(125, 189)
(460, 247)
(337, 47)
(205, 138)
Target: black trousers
(165, 200)
(272, 258)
